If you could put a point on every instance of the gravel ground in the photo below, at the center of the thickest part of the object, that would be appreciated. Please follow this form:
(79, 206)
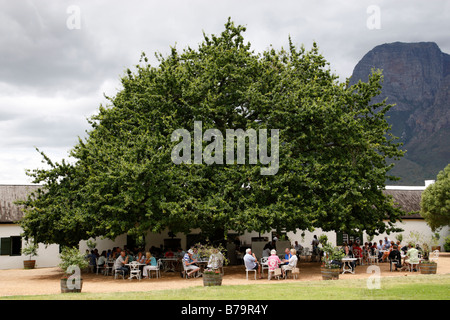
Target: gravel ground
(46, 280)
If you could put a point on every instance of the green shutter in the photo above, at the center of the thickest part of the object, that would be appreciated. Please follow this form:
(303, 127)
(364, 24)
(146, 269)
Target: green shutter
(339, 238)
(5, 246)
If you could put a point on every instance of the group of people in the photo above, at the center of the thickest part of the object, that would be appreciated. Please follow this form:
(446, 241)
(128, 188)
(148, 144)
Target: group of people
(273, 261)
(120, 258)
(402, 255)
(191, 259)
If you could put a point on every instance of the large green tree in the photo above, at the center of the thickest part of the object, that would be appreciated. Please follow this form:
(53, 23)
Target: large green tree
(435, 202)
(333, 147)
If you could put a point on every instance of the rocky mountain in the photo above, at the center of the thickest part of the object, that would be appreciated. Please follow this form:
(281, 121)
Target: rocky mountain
(417, 81)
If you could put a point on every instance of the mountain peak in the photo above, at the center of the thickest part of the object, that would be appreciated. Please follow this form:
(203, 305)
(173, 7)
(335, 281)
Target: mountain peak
(417, 80)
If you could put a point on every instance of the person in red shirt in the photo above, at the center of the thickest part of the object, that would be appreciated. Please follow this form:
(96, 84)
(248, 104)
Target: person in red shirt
(357, 251)
(169, 253)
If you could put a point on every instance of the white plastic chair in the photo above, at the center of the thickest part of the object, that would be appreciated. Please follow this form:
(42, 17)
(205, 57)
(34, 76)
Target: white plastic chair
(97, 267)
(156, 268)
(373, 258)
(135, 272)
(249, 270)
(108, 267)
(264, 264)
(434, 256)
(295, 272)
(121, 272)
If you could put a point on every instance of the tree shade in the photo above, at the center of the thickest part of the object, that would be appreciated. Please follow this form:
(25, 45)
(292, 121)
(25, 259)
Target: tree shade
(333, 146)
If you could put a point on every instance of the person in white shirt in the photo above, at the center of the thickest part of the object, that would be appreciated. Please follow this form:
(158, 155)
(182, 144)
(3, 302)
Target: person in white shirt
(251, 263)
(292, 262)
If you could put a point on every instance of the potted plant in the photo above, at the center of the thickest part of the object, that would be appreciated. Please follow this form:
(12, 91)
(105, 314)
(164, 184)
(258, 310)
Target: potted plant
(332, 261)
(426, 265)
(30, 250)
(212, 277)
(72, 262)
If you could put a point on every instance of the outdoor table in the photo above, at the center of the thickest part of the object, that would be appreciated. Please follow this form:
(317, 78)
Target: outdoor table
(202, 264)
(346, 262)
(138, 264)
(168, 264)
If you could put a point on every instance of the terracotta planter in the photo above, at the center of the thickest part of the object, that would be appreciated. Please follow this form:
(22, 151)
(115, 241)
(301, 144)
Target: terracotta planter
(428, 268)
(29, 264)
(65, 289)
(330, 273)
(212, 279)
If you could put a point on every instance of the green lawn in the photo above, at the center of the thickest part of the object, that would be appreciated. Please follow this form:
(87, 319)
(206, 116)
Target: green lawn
(420, 287)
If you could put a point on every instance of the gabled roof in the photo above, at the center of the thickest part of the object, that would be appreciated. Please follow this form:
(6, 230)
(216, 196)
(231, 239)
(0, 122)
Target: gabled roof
(10, 212)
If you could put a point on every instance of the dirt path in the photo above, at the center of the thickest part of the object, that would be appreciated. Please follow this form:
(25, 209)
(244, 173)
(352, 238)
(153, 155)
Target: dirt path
(46, 280)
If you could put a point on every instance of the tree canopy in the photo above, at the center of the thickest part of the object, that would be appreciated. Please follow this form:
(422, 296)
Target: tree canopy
(333, 147)
(435, 202)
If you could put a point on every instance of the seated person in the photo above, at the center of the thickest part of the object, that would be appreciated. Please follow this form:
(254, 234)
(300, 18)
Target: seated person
(387, 252)
(150, 264)
(120, 263)
(140, 257)
(169, 253)
(412, 256)
(215, 260)
(357, 251)
(396, 256)
(251, 263)
(349, 254)
(287, 256)
(273, 261)
(298, 247)
(102, 260)
(291, 263)
(189, 263)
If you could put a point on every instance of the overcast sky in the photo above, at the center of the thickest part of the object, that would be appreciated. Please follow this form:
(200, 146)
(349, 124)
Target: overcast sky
(58, 58)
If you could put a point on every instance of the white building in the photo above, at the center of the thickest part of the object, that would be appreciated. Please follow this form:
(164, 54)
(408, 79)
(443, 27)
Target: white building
(11, 242)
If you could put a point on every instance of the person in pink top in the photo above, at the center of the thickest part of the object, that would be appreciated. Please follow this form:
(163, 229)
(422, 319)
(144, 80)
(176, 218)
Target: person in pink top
(273, 261)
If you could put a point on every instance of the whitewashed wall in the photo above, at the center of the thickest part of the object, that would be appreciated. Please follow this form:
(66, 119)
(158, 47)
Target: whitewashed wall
(48, 256)
(416, 225)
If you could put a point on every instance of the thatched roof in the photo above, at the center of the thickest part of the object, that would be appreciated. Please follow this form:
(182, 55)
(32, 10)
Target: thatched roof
(10, 212)
(408, 200)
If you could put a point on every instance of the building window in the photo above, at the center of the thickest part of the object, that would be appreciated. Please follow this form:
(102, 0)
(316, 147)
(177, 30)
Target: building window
(11, 246)
(342, 238)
